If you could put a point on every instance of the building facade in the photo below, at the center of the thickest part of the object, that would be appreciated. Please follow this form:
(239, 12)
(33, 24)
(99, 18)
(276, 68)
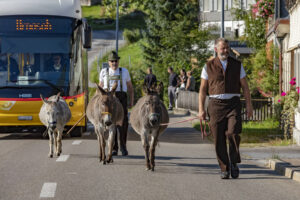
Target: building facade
(210, 15)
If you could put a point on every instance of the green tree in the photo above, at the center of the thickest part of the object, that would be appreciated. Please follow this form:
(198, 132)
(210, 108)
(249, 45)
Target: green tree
(173, 36)
(255, 27)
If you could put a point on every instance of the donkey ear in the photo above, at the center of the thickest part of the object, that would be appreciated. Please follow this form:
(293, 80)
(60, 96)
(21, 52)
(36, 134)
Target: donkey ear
(114, 87)
(99, 89)
(57, 97)
(159, 88)
(146, 90)
(44, 100)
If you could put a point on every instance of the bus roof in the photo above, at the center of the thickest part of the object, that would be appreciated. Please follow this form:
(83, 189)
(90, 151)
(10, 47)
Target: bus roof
(65, 8)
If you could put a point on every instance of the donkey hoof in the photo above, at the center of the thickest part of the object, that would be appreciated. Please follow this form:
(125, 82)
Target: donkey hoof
(110, 160)
(152, 169)
(57, 154)
(104, 162)
(147, 169)
(50, 155)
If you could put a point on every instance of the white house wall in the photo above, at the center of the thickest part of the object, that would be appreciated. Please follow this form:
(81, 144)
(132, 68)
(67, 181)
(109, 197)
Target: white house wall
(286, 71)
(295, 27)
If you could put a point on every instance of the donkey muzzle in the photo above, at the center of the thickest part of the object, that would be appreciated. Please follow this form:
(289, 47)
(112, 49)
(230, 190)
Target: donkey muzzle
(52, 125)
(154, 119)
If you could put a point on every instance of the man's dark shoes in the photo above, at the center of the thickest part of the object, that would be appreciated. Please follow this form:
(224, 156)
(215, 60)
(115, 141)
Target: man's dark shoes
(124, 152)
(114, 153)
(225, 175)
(234, 171)
(170, 108)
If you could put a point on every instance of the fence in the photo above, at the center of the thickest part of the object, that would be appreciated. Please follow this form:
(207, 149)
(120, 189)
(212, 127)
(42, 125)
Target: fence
(262, 108)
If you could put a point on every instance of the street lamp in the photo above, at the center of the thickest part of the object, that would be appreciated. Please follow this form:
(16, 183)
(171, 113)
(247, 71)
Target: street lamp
(222, 20)
(117, 27)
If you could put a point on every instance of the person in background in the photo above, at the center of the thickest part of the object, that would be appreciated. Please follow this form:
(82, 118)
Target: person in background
(224, 77)
(150, 78)
(190, 84)
(173, 77)
(56, 64)
(107, 78)
(183, 79)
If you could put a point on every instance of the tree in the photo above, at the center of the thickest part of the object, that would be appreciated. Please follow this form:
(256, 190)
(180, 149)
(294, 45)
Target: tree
(173, 36)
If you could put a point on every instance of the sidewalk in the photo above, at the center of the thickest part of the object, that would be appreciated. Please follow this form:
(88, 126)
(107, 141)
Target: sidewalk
(283, 160)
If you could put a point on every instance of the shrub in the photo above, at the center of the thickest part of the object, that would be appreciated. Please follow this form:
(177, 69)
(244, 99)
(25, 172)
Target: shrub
(132, 36)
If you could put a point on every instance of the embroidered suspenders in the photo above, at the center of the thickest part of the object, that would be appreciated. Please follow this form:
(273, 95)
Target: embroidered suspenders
(115, 78)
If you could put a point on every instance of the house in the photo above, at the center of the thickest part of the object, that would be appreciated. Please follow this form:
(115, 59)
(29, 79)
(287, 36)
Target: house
(278, 33)
(293, 46)
(210, 16)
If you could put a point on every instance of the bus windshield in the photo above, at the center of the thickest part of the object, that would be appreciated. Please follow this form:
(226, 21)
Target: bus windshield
(35, 53)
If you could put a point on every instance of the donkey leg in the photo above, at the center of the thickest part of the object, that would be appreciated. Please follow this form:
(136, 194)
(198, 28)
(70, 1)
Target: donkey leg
(99, 142)
(146, 149)
(50, 134)
(152, 151)
(59, 142)
(102, 141)
(111, 141)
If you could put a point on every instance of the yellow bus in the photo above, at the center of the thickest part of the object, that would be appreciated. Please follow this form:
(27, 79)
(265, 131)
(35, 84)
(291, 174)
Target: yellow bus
(42, 51)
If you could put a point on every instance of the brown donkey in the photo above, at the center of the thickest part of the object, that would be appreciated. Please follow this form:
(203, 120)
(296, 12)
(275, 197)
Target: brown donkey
(105, 112)
(146, 117)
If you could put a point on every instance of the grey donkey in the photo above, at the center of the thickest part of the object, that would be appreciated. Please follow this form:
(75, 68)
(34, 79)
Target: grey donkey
(105, 112)
(146, 118)
(55, 114)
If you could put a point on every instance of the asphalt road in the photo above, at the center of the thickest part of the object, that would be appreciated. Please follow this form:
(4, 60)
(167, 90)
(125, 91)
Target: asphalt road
(186, 168)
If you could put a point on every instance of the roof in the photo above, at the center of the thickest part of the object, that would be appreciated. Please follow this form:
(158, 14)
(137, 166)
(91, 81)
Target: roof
(64, 8)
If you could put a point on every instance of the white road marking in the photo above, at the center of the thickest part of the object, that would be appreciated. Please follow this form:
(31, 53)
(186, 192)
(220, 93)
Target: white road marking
(71, 173)
(76, 142)
(62, 158)
(48, 190)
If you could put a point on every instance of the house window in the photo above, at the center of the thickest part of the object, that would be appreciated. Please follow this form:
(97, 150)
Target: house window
(207, 5)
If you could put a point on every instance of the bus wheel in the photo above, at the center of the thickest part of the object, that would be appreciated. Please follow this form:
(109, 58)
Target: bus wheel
(77, 131)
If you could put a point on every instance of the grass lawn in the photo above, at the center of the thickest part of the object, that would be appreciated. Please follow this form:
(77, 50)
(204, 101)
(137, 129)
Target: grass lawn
(96, 14)
(266, 133)
(131, 58)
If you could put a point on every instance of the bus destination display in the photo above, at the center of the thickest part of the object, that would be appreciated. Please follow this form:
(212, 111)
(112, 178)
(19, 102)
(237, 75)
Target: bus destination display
(22, 25)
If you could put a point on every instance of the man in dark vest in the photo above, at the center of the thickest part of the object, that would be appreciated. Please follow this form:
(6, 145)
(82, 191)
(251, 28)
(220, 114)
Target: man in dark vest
(223, 77)
(107, 78)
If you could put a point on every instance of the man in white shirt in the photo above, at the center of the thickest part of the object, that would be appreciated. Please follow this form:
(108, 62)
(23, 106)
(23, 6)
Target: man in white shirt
(223, 77)
(107, 78)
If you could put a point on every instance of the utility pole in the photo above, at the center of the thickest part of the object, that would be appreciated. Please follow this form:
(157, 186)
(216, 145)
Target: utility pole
(117, 27)
(222, 20)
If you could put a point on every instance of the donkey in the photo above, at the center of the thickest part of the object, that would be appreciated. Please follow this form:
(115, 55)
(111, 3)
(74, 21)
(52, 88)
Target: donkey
(55, 114)
(146, 117)
(105, 112)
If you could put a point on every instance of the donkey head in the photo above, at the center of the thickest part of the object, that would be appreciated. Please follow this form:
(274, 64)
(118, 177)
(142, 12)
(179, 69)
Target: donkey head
(106, 103)
(152, 109)
(52, 111)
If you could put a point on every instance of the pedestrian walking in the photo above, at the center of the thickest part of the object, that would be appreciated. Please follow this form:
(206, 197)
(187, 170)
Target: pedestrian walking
(191, 82)
(150, 78)
(223, 77)
(173, 78)
(107, 78)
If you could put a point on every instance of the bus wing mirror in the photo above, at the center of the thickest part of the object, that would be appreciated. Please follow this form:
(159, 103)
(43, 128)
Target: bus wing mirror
(87, 42)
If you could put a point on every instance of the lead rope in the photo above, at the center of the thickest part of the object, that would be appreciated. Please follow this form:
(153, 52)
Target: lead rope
(202, 126)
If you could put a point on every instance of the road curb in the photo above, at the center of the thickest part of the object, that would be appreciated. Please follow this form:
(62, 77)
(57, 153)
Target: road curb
(285, 169)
